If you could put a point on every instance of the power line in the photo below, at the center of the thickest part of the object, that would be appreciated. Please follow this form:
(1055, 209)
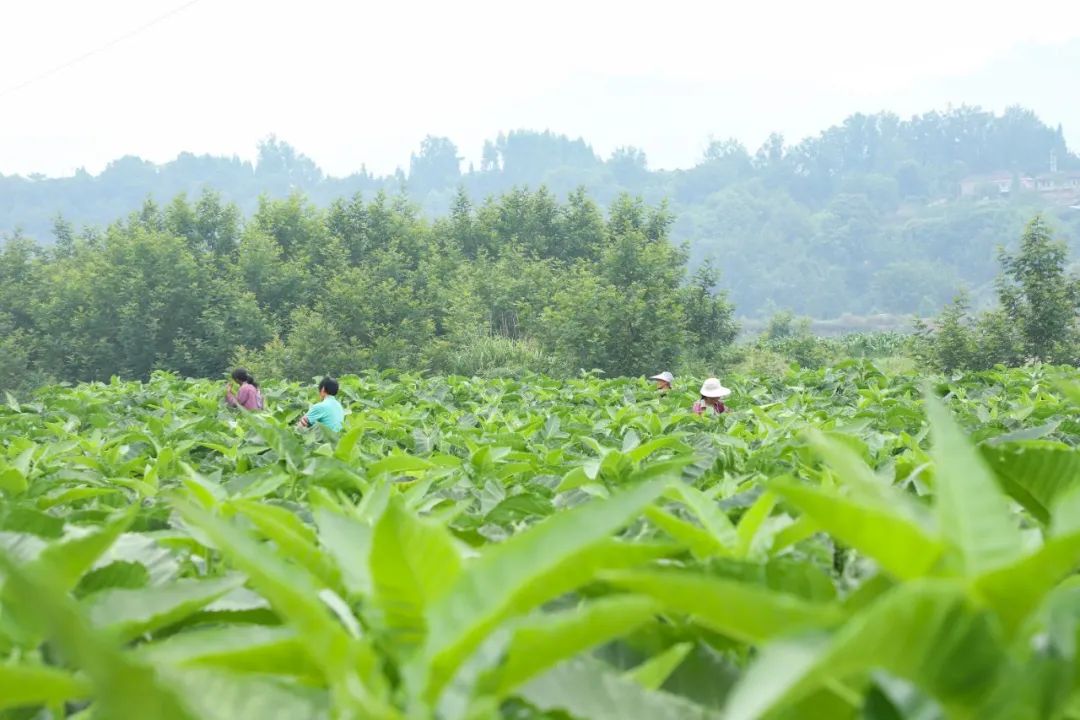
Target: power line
(107, 46)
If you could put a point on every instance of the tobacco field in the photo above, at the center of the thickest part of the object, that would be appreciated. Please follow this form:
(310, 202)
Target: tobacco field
(845, 543)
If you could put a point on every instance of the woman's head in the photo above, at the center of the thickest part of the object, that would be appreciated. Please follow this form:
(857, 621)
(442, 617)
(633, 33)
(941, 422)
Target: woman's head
(663, 380)
(713, 391)
(241, 375)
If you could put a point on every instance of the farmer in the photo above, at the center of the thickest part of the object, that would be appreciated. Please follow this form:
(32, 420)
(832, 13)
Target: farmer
(248, 396)
(663, 381)
(328, 411)
(712, 394)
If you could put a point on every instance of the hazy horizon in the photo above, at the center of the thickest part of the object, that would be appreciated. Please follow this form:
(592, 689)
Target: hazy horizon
(217, 77)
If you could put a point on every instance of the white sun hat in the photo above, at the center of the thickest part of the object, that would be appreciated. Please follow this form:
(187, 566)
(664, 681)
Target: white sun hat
(665, 376)
(712, 388)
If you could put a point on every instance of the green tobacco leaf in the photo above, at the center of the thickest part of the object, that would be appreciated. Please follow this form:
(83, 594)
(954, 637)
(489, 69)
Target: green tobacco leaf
(652, 673)
(119, 574)
(413, 563)
(588, 689)
(294, 595)
(294, 540)
(500, 582)
(751, 522)
(973, 513)
(128, 614)
(925, 631)
(538, 644)
(68, 559)
(217, 695)
(124, 688)
(866, 487)
(746, 612)
(708, 513)
(348, 542)
(237, 648)
(38, 685)
(13, 481)
(696, 539)
(1035, 474)
(1016, 590)
(398, 464)
(900, 545)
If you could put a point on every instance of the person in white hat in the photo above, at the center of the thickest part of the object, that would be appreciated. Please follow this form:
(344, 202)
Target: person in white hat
(663, 381)
(712, 396)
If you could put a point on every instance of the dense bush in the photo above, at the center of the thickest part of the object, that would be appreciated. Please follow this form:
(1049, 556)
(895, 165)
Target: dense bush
(1036, 319)
(522, 283)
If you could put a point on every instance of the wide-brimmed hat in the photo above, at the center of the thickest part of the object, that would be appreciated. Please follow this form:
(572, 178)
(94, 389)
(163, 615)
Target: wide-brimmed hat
(665, 376)
(712, 388)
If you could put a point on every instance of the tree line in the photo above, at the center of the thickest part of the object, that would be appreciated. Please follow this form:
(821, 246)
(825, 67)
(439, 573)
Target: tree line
(863, 218)
(519, 282)
(1035, 318)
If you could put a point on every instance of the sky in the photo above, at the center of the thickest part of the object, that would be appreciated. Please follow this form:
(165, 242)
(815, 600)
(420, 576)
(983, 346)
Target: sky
(361, 83)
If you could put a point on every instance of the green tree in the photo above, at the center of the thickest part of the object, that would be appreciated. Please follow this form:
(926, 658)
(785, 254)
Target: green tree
(436, 167)
(710, 317)
(1039, 297)
(954, 344)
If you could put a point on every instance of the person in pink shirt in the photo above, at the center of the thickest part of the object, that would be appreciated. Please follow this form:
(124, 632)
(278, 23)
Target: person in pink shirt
(248, 396)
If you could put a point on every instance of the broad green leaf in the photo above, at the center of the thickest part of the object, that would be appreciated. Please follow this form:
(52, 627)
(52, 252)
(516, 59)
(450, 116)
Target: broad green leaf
(539, 643)
(639, 453)
(1016, 590)
(901, 546)
(124, 689)
(38, 685)
(587, 689)
(499, 583)
(742, 611)
(398, 464)
(925, 631)
(1035, 474)
(119, 574)
(865, 487)
(13, 481)
(68, 559)
(293, 539)
(652, 673)
(413, 563)
(750, 523)
(237, 648)
(697, 540)
(346, 444)
(128, 614)
(973, 514)
(218, 695)
(708, 513)
(294, 595)
(348, 542)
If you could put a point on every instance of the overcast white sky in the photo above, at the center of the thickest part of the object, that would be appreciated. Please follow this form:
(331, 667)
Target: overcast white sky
(349, 83)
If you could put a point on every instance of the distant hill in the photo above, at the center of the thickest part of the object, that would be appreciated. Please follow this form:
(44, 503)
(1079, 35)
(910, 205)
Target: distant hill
(869, 216)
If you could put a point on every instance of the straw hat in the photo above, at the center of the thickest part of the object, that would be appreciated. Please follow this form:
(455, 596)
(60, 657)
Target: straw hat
(712, 388)
(665, 376)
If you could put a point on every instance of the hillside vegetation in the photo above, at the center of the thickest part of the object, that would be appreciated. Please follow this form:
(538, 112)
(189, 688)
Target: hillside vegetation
(867, 217)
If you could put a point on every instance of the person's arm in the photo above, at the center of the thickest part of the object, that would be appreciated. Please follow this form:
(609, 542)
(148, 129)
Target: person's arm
(230, 399)
(315, 413)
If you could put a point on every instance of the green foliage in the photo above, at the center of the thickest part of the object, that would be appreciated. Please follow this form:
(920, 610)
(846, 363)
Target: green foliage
(867, 216)
(530, 546)
(1036, 319)
(521, 284)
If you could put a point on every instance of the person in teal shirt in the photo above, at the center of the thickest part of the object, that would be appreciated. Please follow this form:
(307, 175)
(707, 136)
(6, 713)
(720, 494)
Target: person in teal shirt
(328, 411)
